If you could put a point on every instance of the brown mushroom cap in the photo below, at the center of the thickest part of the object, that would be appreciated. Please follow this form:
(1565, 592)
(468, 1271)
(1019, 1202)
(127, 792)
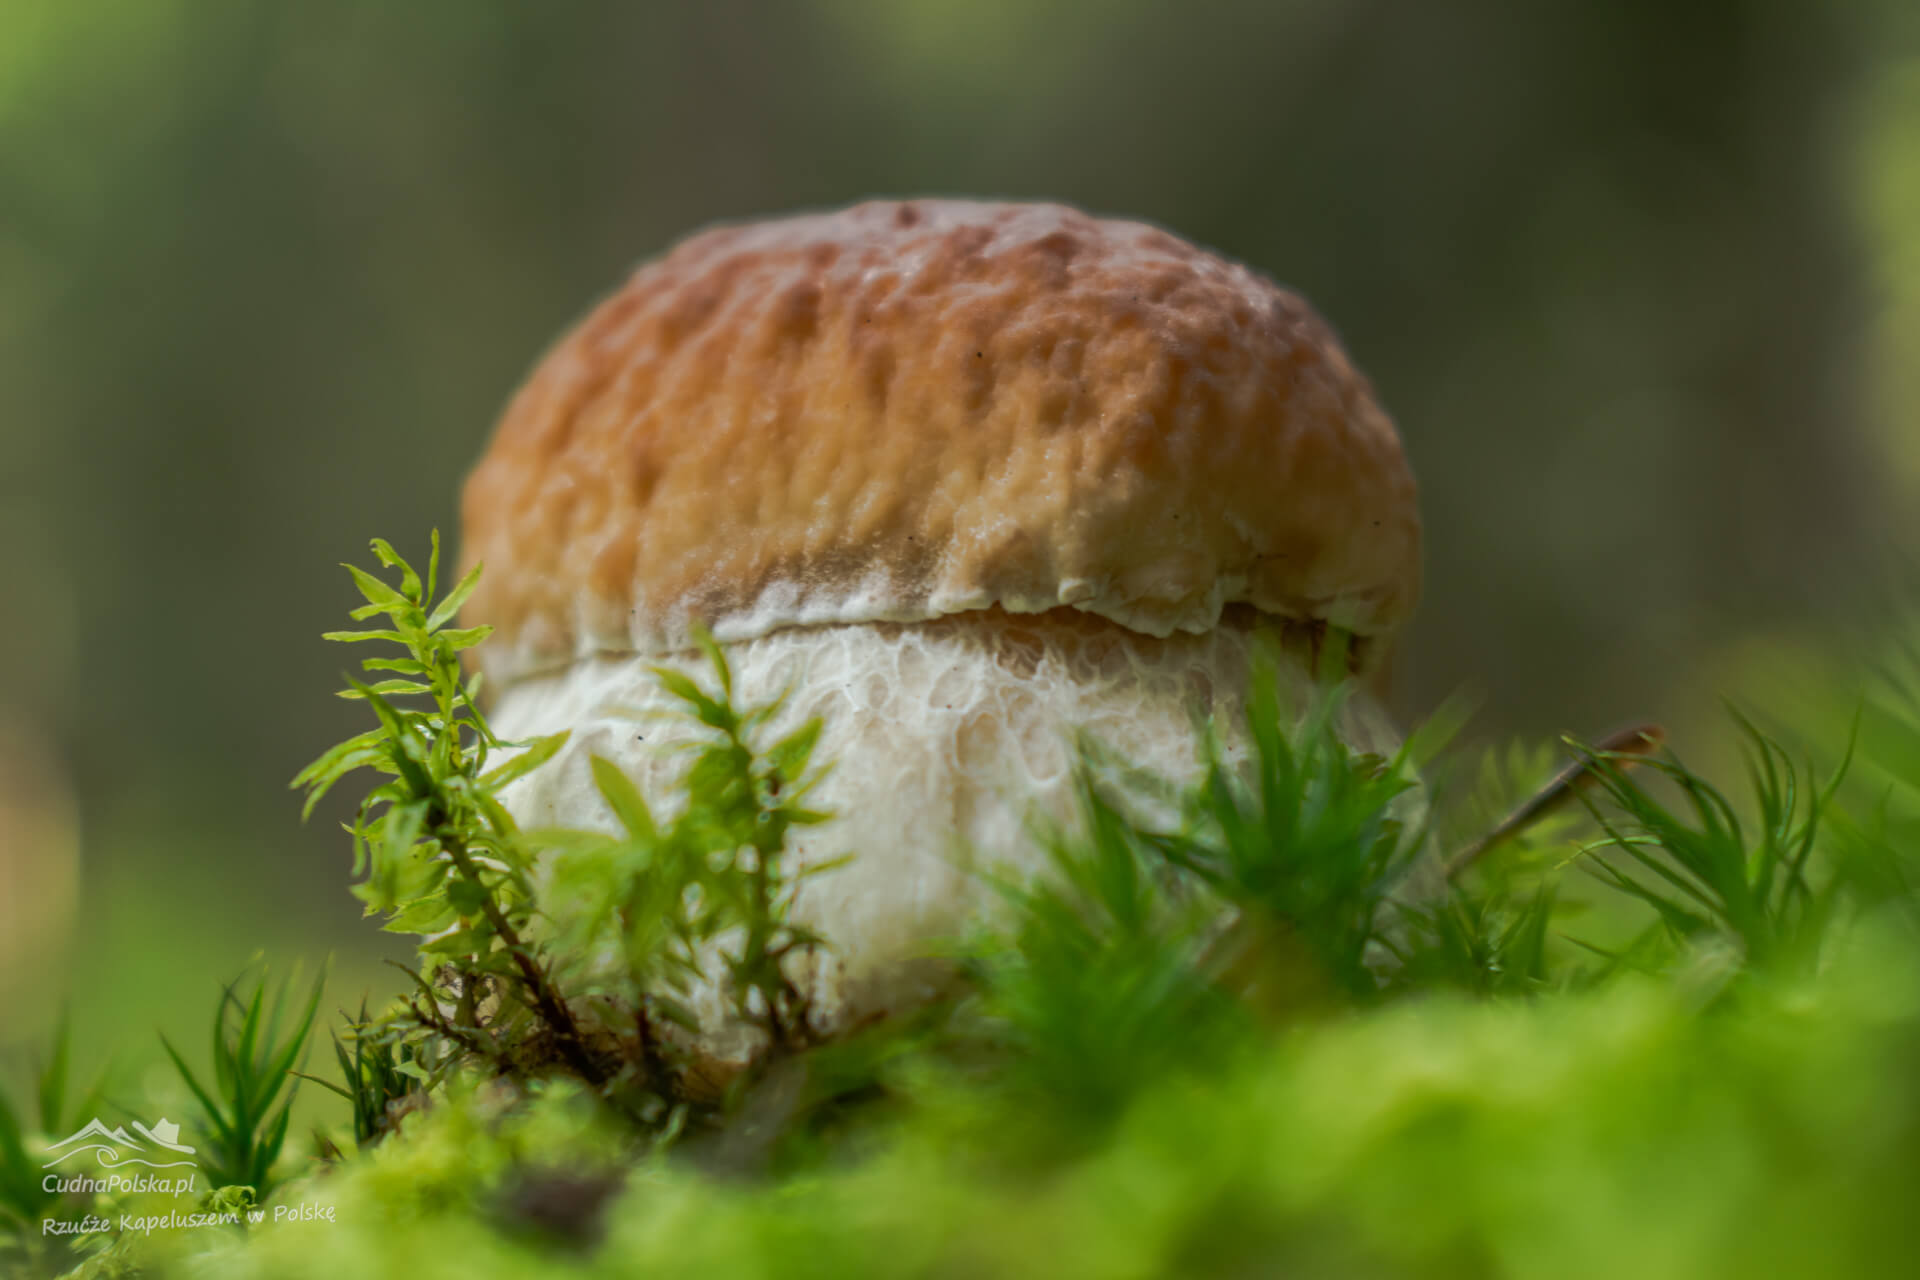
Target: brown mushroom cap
(901, 411)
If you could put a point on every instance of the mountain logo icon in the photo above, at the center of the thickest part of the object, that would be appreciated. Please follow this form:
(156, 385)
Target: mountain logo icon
(114, 1147)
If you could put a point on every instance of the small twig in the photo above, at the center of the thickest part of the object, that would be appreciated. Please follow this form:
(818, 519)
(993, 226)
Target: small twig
(459, 1035)
(1622, 747)
(553, 1011)
(659, 1075)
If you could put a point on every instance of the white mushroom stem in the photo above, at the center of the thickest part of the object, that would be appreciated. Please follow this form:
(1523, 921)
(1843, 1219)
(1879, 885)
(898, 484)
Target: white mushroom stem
(946, 740)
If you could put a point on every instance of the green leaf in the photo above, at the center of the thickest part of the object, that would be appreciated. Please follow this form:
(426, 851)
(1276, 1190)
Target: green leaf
(789, 756)
(831, 864)
(628, 805)
(53, 1079)
(388, 689)
(499, 962)
(409, 580)
(676, 1013)
(433, 563)
(409, 754)
(572, 843)
(282, 1062)
(405, 666)
(495, 812)
(331, 760)
(537, 753)
(718, 657)
(445, 611)
(466, 897)
(329, 1085)
(190, 1080)
(473, 941)
(708, 711)
(403, 827)
(463, 638)
(422, 916)
(383, 597)
(352, 637)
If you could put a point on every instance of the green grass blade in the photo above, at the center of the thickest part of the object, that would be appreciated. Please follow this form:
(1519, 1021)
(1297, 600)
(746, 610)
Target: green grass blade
(53, 1079)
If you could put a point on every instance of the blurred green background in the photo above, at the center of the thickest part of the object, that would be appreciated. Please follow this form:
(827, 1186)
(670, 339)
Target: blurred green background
(1639, 280)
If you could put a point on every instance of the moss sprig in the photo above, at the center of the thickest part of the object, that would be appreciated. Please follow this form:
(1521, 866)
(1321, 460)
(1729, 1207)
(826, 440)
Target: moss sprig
(504, 979)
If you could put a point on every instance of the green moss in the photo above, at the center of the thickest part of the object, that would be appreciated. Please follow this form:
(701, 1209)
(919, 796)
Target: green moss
(1604, 1134)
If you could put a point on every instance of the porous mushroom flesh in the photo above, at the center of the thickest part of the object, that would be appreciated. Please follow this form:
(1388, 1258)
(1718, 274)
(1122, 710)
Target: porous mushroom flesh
(957, 477)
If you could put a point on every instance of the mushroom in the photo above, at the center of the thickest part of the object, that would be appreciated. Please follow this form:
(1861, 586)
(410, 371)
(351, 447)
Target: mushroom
(958, 477)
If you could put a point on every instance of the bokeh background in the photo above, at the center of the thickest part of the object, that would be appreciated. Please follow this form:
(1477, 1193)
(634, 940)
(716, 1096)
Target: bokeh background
(1639, 280)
